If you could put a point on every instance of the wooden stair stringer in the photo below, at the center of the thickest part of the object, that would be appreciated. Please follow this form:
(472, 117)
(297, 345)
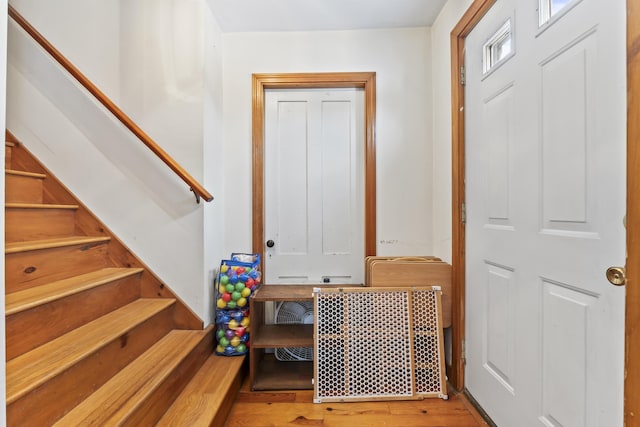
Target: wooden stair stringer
(139, 394)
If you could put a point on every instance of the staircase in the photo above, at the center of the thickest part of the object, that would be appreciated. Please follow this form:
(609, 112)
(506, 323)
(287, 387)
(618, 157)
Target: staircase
(92, 336)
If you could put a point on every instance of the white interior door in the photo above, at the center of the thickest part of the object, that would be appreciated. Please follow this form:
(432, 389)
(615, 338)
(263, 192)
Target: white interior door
(545, 185)
(314, 186)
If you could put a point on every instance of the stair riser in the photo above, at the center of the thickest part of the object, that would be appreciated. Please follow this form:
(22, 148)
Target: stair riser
(49, 321)
(54, 398)
(23, 189)
(152, 409)
(33, 268)
(22, 225)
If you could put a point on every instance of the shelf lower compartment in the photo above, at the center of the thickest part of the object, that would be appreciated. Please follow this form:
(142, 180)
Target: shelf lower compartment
(273, 374)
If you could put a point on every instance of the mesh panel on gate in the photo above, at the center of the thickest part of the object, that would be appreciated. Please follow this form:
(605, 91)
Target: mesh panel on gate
(367, 340)
(427, 338)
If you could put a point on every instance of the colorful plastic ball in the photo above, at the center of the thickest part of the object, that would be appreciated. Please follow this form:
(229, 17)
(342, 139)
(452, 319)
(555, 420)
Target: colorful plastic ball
(233, 278)
(219, 349)
(221, 303)
(224, 341)
(240, 270)
(224, 279)
(234, 268)
(241, 348)
(236, 296)
(243, 277)
(240, 331)
(224, 268)
(229, 350)
(220, 333)
(250, 282)
(239, 286)
(245, 292)
(238, 317)
(242, 301)
(230, 287)
(226, 297)
(224, 318)
(233, 324)
(245, 338)
(229, 334)
(253, 274)
(235, 341)
(245, 322)
(232, 304)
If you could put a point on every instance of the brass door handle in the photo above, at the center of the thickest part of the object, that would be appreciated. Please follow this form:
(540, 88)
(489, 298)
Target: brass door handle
(616, 276)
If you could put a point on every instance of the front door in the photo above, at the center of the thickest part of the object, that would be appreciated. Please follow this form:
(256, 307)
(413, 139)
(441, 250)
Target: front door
(314, 185)
(545, 102)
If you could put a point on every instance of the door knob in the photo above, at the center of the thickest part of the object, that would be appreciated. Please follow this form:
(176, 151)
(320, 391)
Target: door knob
(270, 243)
(616, 276)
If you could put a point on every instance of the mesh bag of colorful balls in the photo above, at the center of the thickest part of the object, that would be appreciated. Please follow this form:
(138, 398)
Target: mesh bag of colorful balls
(238, 278)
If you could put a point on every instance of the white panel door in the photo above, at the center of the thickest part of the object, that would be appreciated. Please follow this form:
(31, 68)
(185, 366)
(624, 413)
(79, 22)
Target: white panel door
(314, 186)
(545, 185)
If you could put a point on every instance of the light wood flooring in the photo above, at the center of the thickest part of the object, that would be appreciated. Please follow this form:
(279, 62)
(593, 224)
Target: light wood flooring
(296, 408)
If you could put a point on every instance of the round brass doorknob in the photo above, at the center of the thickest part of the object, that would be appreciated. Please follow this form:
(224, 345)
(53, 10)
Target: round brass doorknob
(616, 276)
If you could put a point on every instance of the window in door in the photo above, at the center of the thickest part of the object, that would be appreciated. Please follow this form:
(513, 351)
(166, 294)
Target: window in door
(548, 9)
(498, 48)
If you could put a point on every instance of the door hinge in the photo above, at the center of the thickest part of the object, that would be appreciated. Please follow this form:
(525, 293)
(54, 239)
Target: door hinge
(463, 77)
(463, 213)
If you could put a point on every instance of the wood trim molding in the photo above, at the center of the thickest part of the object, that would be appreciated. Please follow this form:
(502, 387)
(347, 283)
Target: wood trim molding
(194, 185)
(632, 318)
(472, 16)
(260, 82)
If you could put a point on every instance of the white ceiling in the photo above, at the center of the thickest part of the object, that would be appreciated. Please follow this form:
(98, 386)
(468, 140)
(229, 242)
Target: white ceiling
(312, 15)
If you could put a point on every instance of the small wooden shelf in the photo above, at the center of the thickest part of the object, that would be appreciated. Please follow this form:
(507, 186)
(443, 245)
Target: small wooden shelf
(266, 372)
(278, 336)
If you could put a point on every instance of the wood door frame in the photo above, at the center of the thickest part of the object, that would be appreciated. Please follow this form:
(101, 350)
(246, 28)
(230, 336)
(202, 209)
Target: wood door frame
(364, 80)
(632, 317)
(472, 16)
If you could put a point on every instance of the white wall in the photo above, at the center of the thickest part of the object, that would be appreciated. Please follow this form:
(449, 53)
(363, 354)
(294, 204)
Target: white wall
(212, 158)
(87, 32)
(401, 60)
(441, 74)
(137, 196)
(162, 73)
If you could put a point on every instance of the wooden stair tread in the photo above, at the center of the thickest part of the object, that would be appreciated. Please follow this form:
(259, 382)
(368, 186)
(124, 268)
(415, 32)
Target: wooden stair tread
(33, 297)
(25, 173)
(120, 396)
(28, 371)
(33, 245)
(205, 394)
(39, 206)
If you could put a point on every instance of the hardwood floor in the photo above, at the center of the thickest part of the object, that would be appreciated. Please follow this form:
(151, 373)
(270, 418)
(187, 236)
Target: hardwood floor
(296, 408)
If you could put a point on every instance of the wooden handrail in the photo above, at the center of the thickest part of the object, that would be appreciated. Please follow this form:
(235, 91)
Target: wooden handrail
(194, 185)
